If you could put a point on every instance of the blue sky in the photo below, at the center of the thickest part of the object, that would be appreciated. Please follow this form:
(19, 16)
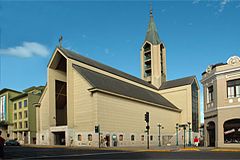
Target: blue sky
(196, 34)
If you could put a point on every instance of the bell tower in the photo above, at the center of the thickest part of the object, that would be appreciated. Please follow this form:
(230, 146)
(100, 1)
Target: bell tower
(153, 56)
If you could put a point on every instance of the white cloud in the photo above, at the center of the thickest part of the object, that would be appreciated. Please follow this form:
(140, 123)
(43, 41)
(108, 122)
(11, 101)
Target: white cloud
(27, 49)
(195, 1)
(223, 4)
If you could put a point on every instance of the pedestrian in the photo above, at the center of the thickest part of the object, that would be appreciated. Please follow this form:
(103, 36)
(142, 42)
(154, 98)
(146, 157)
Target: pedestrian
(2, 141)
(196, 141)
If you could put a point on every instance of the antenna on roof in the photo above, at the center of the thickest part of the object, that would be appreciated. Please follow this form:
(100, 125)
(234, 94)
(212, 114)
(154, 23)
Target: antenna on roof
(60, 41)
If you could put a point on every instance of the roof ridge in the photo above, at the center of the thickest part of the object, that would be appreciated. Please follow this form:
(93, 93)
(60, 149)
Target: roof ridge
(105, 67)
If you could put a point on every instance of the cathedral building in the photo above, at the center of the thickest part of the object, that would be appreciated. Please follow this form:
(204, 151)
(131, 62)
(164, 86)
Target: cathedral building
(82, 94)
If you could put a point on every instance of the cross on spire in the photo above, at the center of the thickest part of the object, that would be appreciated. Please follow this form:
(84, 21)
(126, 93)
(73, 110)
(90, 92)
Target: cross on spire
(60, 41)
(150, 8)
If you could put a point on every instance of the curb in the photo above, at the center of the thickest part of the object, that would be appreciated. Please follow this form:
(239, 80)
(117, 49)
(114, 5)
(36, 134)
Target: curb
(225, 150)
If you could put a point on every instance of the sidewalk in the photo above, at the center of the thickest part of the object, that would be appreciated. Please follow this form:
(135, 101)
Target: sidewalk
(144, 148)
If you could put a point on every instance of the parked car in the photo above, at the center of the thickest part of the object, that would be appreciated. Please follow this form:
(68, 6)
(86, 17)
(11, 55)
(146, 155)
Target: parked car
(12, 142)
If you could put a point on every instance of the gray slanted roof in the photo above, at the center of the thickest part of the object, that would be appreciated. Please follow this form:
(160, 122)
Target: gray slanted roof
(177, 82)
(34, 87)
(19, 96)
(106, 83)
(82, 59)
(152, 34)
(7, 89)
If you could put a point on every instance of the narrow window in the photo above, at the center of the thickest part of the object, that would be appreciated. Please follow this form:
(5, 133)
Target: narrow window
(89, 137)
(120, 137)
(142, 137)
(132, 137)
(210, 94)
(15, 106)
(15, 116)
(20, 104)
(20, 115)
(43, 137)
(26, 124)
(79, 137)
(25, 103)
(25, 114)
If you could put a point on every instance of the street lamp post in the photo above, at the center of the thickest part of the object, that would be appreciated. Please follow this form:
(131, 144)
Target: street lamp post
(189, 137)
(184, 129)
(159, 133)
(177, 134)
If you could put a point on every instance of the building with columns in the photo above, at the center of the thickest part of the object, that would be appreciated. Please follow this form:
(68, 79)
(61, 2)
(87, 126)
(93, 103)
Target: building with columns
(221, 89)
(82, 93)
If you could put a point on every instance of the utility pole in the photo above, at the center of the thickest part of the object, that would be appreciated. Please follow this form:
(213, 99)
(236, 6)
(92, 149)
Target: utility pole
(159, 134)
(177, 134)
(147, 127)
(97, 130)
(189, 136)
(184, 128)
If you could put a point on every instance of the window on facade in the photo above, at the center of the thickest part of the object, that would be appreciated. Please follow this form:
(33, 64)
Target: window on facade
(89, 137)
(233, 88)
(210, 94)
(120, 137)
(151, 138)
(195, 118)
(79, 137)
(25, 114)
(15, 116)
(20, 115)
(20, 125)
(25, 103)
(26, 124)
(15, 106)
(20, 104)
(142, 138)
(132, 137)
(43, 137)
(15, 125)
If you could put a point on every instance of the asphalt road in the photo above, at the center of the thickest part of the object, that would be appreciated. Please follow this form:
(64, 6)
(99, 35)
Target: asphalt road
(67, 153)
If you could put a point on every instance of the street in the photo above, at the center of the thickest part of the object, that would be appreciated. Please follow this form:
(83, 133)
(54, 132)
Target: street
(80, 153)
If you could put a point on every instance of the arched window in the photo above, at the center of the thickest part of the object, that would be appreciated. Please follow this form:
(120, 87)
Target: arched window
(79, 137)
(232, 131)
(89, 137)
(132, 137)
(142, 137)
(120, 137)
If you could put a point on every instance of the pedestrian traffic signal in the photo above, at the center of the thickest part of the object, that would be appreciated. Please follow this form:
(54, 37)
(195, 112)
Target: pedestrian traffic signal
(97, 129)
(147, 117)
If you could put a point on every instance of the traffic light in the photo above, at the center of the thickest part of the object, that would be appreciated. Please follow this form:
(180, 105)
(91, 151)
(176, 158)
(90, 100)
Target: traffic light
(147, 117)
(97, 129)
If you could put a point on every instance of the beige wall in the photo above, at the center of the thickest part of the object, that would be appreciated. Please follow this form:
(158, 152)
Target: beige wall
(180, 97)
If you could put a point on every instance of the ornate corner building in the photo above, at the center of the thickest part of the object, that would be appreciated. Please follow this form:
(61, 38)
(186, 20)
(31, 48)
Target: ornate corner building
(221, 88)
